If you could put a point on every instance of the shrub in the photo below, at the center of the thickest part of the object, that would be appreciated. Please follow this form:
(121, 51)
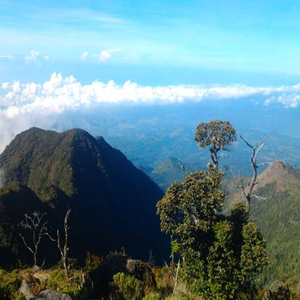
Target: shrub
(152, 296)
(164, 280)
(92, 261)
(9, 285)
(125, 287)
(57, 281)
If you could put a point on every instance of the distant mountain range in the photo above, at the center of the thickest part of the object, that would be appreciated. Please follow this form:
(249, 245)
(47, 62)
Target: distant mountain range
(149, 135)
(113, 203)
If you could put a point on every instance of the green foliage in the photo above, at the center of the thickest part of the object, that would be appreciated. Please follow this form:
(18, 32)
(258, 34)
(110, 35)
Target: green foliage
(188, 210)
(125, 287)
(9, 285)
(152, 296)
(56, 280)
(164, 279)
(278, 217)
(253, 255)
(92, 261)
(222, 273)
(222, 255)
(217, 135)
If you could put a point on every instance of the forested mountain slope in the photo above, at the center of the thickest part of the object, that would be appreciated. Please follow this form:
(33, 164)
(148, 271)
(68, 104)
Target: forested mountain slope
(278, 217)
(113, 203)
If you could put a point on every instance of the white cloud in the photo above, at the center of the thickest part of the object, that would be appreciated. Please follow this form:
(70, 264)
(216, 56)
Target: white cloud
(5, 85)
(287, 100)
(104, 55)
(67, 93)
(84, 55)
(23, 105)
(35, 56)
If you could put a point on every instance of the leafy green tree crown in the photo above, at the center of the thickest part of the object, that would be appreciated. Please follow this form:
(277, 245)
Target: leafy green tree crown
(216, 134)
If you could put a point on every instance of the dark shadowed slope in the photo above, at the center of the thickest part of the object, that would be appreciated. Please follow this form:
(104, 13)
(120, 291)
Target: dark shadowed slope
(114, 203)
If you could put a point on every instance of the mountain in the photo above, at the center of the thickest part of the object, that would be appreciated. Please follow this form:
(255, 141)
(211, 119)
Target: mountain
(113, 203)
(278, 217)
(168, 171)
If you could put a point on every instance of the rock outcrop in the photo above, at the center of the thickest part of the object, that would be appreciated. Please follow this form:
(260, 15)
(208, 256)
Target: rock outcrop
(52, 295)
(98, 280)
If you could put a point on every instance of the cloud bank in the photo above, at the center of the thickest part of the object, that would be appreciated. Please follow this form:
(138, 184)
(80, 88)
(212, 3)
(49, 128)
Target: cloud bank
(23, 105)
(59, 94)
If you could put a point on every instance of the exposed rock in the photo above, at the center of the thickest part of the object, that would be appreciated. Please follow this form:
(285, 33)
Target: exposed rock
(141, 271)
(277, 290)
(52, 295)
(100, 278)
(25, 290)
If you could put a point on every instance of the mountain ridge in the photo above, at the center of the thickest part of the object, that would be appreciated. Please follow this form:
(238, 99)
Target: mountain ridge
(113, 203)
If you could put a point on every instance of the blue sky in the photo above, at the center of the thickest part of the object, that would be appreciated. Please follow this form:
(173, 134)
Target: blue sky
(62, 57)
(151, 42)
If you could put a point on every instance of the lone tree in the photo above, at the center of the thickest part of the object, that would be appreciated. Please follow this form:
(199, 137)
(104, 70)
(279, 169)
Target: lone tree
(63, 250)
(221, 255)
(217, 135)
(38, 228)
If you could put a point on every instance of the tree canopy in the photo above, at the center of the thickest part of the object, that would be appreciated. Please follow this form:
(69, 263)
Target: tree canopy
(221, 254)
(217, 135)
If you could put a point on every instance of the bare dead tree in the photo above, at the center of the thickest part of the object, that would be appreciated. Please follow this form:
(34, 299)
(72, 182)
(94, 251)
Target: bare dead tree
(183, 168)
(38, 229)
(248, 191)
(151, 260)
(176, 278)
(64, 250)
